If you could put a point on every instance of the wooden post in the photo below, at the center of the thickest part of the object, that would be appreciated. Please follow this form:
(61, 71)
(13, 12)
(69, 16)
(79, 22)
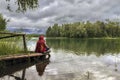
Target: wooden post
(23, 74)
(24, 43)
(88, 77)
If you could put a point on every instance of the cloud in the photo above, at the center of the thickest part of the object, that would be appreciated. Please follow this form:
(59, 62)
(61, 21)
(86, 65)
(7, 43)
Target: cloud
(61, 11)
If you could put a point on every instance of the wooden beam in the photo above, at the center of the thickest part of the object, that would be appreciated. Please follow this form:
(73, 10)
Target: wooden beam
(12, 33)
(10, 57)
(9, 36)
(21, 56)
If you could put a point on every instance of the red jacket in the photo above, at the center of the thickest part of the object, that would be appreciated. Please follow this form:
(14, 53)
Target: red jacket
(40, 46)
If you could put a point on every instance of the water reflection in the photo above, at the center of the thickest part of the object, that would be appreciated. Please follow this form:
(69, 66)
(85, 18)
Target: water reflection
(87, 46)
(40, 67)
(19, 78)
(77, 59)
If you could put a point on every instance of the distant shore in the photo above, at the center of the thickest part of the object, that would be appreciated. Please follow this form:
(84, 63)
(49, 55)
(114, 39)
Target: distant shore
(37, 35)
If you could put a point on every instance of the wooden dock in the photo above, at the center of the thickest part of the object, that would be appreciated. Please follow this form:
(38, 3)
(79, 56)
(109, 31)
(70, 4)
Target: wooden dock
(7, 69)
(16, 59)
(20, 56)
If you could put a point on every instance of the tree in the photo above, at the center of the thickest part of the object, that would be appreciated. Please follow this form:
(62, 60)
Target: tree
(48, 32)
(3, 23)
(84, 30)
(23, 5)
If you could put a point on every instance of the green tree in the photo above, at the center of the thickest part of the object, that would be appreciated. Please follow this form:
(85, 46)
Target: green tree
(3, 23)
(85, 29)
(24, 5)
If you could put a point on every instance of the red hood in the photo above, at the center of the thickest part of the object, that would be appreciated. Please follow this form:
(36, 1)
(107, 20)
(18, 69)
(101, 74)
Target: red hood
(41, 38)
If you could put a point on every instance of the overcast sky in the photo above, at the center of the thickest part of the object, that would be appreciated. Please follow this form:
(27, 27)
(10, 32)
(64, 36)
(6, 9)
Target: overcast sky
(61, 11)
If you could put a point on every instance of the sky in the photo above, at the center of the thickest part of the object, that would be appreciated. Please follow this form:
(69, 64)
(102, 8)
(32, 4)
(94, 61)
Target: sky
(50, 12)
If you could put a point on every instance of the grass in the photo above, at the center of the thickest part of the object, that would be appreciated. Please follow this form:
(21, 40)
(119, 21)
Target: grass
(11, 46)
(7, 48)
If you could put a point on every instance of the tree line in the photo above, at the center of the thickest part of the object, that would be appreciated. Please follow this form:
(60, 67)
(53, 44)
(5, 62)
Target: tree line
(85, 29)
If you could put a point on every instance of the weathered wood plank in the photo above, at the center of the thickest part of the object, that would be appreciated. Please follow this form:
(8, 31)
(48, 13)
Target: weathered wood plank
(28, 55)
(21, 56)
(12, 33)
(9, 36)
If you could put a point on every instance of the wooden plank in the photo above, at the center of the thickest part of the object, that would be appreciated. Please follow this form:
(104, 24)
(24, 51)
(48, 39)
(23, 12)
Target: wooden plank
(9, 36)
(28, 55)
(21, 56)
(12, 33)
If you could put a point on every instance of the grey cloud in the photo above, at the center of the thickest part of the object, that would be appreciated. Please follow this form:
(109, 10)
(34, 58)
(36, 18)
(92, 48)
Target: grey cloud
(70, 1)
(62, 11)
(45, 2)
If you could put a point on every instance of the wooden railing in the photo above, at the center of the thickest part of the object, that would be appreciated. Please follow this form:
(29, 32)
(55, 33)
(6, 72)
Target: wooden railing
(16, 35)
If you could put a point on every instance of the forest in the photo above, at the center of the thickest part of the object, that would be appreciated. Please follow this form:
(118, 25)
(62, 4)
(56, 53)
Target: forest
(86, 29)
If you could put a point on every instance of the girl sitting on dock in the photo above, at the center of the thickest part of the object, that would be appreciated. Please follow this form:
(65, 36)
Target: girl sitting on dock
(41, 46)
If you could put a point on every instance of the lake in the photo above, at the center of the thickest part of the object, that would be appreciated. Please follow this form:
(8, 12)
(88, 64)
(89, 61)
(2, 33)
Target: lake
(72, 59)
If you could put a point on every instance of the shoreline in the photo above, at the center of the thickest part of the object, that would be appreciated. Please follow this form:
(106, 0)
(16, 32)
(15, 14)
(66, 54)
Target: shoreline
(82, 38)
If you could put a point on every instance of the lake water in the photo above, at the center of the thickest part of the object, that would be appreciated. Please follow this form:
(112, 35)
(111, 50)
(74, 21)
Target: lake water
(74, 59)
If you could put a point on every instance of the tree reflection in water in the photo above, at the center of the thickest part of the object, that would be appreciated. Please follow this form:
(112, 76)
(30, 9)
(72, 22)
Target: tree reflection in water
(97, 47)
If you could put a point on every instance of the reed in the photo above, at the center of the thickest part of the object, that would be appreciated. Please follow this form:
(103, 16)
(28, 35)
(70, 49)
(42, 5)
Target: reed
(10, 46)
(7, 48)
